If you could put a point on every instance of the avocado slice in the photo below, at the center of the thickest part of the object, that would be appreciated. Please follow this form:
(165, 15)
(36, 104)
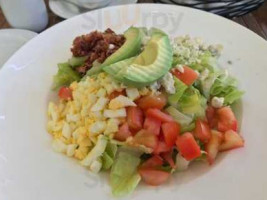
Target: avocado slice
(115, 68)
(153, 63)
(130, 48)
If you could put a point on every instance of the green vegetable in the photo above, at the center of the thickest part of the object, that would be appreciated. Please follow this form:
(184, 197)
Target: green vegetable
(226, 86)
(124, 176)
(188, 128)
(175, 61)
(65, 76)
(206, 61)
(192, 102)
(206, 84)
(107, 161)
(111, 149)
(96, 68)
(77, 61)
(182, 119)
(109, 155)
(180, 88)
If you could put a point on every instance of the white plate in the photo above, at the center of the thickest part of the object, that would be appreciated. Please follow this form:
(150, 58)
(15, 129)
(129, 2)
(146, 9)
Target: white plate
(67, 10)
(30, 170)
(11, 40)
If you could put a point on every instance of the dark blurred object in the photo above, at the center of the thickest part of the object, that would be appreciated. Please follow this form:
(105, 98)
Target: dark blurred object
(226, 8)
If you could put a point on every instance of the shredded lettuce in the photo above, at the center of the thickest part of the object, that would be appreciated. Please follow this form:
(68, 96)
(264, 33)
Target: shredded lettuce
(182, 119)
(109, 155)
(206, 84)
(188, 128)
(226, 86)
(192, 102)
(77, 61)
(180, 88)
(65, 76)
(124, 176)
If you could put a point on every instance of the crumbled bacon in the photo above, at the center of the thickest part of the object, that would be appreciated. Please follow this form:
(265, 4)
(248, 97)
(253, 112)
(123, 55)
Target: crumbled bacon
(97, 46)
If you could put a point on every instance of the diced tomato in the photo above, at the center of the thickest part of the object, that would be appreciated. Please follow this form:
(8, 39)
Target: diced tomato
(143, 137)
(188, 146)
(226, 119)
(171, 130)
(232, 140)
(211, 116)
(153, 177)
(115, 94)
(152, 101)
(152, 125)
(123, 133)
(212, 147)
(202, 131)
(162, 147)
(188, 76)
(135, 118)
(154, 161)
(156, 113)
(168, 157)
(65, 93)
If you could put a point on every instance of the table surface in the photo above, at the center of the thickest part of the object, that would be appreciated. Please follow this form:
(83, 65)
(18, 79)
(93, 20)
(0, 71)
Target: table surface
(255, 21)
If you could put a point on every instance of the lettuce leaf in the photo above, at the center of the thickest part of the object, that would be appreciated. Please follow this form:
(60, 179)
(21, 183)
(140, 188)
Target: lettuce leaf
(109, 155)
(124, 176)
(180, 88)
(192, 102)
(65, 76)
(182, 119)
(226, 86)
(206, 61)
(77, 61)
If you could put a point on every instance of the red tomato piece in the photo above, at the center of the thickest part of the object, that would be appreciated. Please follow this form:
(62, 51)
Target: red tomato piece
(212, 147)
(202, 131)
(135, 118)
(156, 113)
(152, 125)
(211, 116)
(123, 133)
(153, 177)
(153, 162)
(188, 146)
(65, 93)
(168, 157)
(188, 76)
(226, 119)
(171, 130)
(232, 140)
(162, 147)
(152, 101)
(143, 137)
(115, 94)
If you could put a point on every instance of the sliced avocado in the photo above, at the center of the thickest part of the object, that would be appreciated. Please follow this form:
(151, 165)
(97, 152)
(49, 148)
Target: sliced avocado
(130, 48)
(152, 63)
(116, 67)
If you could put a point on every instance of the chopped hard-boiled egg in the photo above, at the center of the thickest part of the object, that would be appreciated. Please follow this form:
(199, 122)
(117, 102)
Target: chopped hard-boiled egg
(59, 146)
(132, 93)
(120, 102)
(115, 113)
(79, 124)
(100, 104)
(98, 127)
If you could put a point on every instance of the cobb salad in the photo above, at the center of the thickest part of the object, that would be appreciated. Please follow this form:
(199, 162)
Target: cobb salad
(142, 105)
